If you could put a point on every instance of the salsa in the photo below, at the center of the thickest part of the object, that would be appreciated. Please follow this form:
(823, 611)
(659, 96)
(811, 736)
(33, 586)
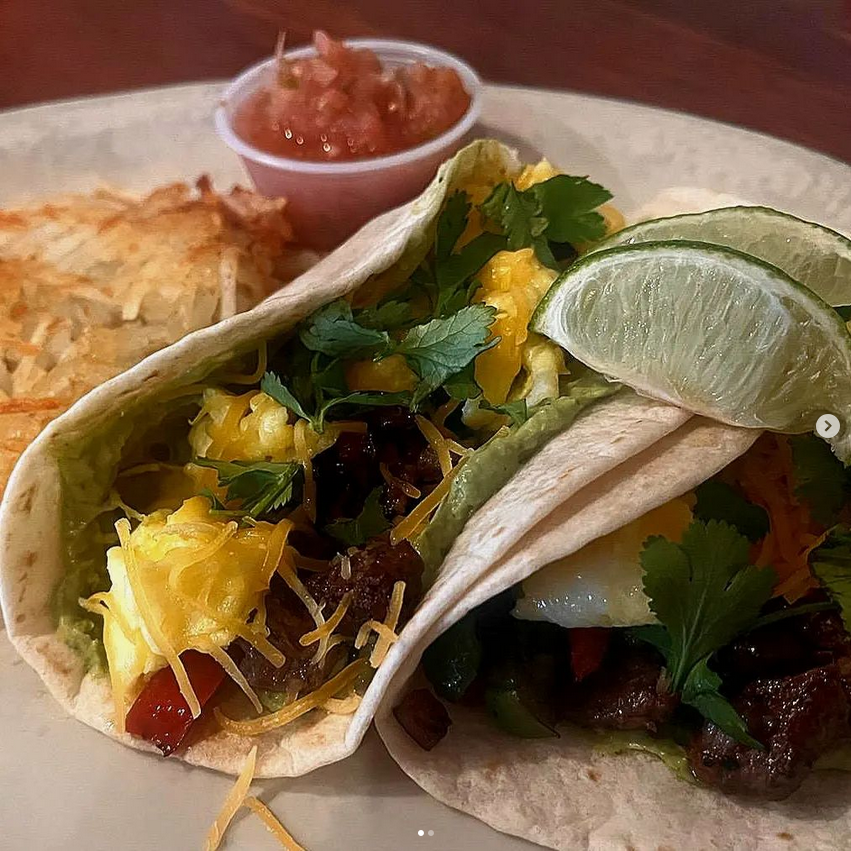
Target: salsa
(342, 104)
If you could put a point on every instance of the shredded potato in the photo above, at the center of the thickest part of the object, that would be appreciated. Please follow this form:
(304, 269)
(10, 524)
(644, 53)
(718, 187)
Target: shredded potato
(91, 284)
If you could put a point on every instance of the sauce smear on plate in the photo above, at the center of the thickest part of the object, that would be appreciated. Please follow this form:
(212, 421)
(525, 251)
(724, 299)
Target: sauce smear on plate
(342, 104)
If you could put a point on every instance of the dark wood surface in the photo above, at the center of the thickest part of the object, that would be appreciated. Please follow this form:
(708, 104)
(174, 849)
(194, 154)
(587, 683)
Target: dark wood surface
(780, 66)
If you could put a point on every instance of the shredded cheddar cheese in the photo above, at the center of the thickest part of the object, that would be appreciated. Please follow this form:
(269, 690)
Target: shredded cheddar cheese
(394, 481)
(410, 524)
(323, 633)
(437, 442)
(342, 705)
(254, 377)
(766, 474)
(388, 636)
(273, 825)
(218, 573)
(234, 800)
(296, 709)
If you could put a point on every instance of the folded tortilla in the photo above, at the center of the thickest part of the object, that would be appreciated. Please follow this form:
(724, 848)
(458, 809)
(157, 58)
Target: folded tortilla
(74, 460)
(569, 792)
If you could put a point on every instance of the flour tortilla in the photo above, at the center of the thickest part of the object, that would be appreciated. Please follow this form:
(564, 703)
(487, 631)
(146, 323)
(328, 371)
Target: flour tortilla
(388, 248)
(566, 793)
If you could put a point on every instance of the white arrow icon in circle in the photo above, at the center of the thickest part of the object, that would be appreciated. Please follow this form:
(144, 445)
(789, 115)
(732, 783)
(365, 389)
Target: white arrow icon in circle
(827, 426)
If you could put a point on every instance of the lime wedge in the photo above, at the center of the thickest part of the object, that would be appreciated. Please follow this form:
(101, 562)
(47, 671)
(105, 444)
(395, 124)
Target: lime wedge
(816, 256)
(709, 329)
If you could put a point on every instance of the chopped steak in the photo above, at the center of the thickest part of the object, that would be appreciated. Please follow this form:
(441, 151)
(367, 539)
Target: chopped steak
(287, 620)
(797, 718)
(423, 717)
(785, 648)
(348, 471)
(375, 568)
(345, 474)
(626, 693)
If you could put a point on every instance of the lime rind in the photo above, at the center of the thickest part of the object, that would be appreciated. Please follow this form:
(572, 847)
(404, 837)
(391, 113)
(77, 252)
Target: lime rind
(749, 346)
(812, 254)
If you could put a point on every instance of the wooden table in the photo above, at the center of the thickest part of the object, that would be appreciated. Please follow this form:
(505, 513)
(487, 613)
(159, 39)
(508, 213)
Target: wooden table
(780, 66)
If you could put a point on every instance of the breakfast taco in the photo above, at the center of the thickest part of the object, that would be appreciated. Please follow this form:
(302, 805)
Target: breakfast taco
(237, 542)
(665, 660)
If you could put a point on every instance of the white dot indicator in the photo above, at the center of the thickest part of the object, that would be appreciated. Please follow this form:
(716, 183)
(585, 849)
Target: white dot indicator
(827, 426)
(420, 833)
(431, 833)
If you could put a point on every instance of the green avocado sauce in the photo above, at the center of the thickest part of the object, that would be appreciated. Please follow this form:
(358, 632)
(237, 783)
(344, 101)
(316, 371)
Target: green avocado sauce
(492, 466)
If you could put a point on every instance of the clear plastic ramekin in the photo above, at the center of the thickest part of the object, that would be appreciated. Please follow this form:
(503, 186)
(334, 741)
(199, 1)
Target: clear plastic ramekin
(328, 201)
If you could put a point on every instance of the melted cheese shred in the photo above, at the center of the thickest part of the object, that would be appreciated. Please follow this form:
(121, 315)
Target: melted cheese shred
(410, 524)
(386, 631)
(185, 580)
(437, 442)
(295, 710)
(273, 825)
(394, 481)
(254, 377)
(122, 527)
(234, 800)
(323, 633)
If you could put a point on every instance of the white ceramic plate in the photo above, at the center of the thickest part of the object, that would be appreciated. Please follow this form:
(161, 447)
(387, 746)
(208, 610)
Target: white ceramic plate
(63, 786)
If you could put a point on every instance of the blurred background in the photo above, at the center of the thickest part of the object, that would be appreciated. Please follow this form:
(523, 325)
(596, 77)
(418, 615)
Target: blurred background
(780, 66)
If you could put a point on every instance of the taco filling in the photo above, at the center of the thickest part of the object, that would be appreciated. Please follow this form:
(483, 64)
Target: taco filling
(712, 632)
(275, 531)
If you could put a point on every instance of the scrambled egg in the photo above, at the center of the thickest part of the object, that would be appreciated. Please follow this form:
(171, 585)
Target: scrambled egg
(181, 580)
(392, 375)
(601, 585)
(250, 427)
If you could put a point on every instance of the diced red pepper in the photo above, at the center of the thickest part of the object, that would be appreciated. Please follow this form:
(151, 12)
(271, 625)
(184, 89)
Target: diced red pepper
(587, 650)
(160, 714)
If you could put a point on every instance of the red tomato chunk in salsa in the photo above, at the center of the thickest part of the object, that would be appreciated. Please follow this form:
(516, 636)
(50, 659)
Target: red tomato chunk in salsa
(342, 105)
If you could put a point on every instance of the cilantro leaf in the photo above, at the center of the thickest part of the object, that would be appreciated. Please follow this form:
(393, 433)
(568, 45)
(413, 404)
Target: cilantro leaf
(457, 268)
(831, 563)
(704, 593)
(463, 385)
(332, 330)
(517, 214)
(443, 347)
(568, 204)
(259, 486)
(451, 224)
(517, 411)
(559, 210)
(821, 479)
(385, 317)
(272, 386)
(363, 398)
(368, 524)
(716, 500)
(702, 691)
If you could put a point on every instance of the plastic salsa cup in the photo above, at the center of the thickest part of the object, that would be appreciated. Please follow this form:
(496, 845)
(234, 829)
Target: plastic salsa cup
(329, 201)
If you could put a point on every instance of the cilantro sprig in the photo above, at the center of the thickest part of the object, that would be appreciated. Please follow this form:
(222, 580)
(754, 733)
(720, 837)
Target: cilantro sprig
(435, 351)
(548, 214)
(821, 479)
(831, 563)
(432, 323)
(370, 523)
(260, 487)
(704, 593)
